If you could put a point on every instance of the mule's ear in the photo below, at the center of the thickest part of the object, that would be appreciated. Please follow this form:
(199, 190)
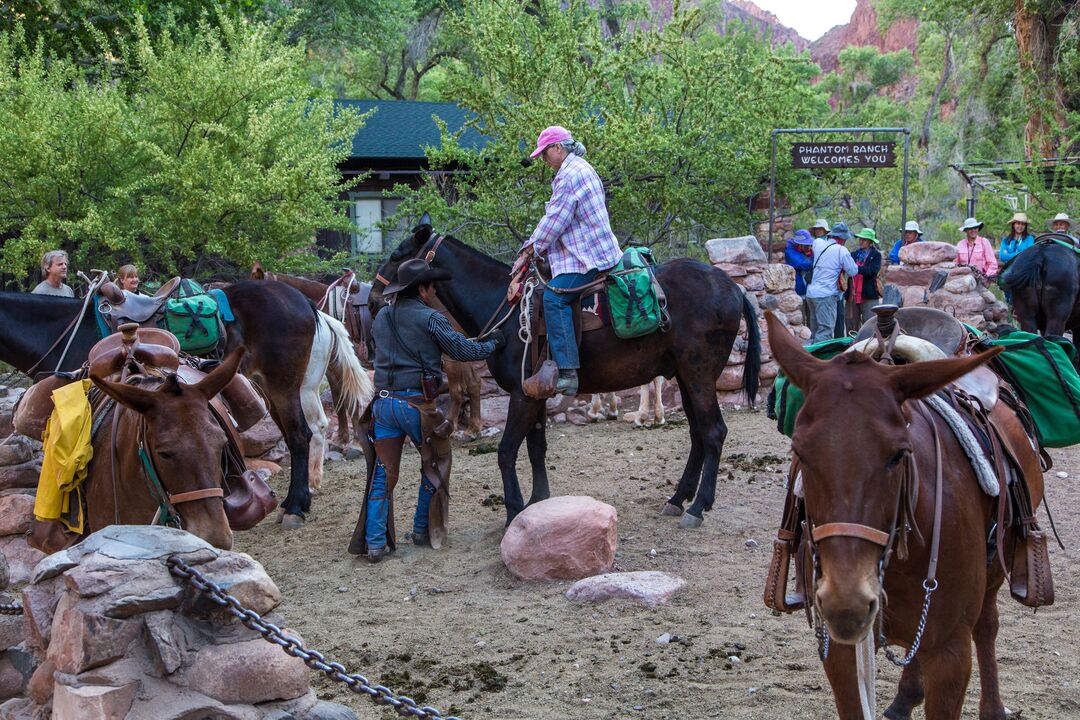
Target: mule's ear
(220, 376)
(135, 398)
(257, 272)
(425, 219)
(920, 379)
(798, 365)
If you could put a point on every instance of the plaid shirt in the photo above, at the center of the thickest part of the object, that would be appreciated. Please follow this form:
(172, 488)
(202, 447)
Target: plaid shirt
(575, 232)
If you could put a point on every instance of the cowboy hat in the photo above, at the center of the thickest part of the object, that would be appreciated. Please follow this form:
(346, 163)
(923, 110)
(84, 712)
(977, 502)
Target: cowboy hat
(868, 234)
(1019, 217)
(969, 224)
(821, 223)
(912, 226)
(415, 272)
(840, 230)
(1061, 217)
(550, 136)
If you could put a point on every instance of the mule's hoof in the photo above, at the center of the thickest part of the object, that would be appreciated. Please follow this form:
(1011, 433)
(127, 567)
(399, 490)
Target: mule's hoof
(292, 522)
(689, 521)
(280, 514)
(893, 714)
(671, 510)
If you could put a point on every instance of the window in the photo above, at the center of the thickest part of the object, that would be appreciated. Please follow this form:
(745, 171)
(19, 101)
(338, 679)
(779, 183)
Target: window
(367, 214)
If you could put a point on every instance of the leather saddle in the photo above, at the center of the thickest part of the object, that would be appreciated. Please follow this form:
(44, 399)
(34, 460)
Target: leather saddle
(935, 326)
(121, 306)
(589, 315)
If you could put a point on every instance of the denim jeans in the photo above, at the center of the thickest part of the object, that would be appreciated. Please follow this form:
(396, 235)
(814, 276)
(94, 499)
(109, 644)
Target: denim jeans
(394, 418)
(822, 318)
(559, 316)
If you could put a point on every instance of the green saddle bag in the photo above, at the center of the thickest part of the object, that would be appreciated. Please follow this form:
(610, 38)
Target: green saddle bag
(635, 299)
(786, 399)
(192, 316)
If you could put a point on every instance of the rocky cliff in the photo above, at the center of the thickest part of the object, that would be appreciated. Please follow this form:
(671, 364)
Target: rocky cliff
(862, 30)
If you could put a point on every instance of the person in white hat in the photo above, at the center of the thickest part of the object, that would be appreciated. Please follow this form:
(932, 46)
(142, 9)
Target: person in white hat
(975, 250)
(912, 234)
(1018, 239)
(1062, 224)
(820, 228)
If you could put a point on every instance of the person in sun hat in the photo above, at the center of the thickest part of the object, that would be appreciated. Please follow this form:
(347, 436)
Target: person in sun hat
(820, 228)
(1018, 239)
(831, 259)
(799, 254)
(864, 292)
(975, 250)
(410, 340)
(576, 237)
(1062, 224)
(912, 234)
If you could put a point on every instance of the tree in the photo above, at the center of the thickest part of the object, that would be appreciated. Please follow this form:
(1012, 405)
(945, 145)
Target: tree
(676, 119)
(203, 143)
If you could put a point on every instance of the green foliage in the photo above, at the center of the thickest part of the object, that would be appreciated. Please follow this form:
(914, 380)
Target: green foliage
(676, 119)
(202, 143)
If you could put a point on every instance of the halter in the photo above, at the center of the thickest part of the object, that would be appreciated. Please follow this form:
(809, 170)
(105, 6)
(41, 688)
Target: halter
(167, 514)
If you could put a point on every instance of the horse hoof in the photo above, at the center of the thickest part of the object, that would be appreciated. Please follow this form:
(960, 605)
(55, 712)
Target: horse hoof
(280, 514)
(689, 521)
(292, 522)
(671, 510)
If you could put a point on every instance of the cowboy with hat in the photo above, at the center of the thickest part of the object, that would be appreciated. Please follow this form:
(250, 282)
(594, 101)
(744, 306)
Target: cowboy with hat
(912, 234)
(410, 339)
(1062, 224)
(1018, 239)
(975, 250)
(864, 293)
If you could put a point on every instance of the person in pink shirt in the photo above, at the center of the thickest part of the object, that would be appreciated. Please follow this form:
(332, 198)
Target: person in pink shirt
(975, 250)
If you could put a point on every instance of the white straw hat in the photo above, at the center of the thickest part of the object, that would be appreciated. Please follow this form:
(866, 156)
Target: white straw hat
(970, 223)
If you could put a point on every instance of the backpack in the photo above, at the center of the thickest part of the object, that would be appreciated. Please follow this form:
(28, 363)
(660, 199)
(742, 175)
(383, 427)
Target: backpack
(192, 316)
(636, 301)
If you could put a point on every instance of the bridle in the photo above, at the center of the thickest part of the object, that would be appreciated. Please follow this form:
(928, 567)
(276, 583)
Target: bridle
(896, 539)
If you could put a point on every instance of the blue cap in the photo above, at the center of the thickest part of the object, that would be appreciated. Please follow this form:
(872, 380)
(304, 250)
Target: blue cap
(802, 237)
(839, 230)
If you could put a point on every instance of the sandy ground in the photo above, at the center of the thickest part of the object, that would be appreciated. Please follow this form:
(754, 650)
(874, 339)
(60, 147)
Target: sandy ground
(454, 629)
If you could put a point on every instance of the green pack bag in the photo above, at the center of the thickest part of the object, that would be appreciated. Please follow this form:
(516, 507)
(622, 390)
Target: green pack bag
(192, 316)
(635, 299)
(1043, 373)
(786, 399)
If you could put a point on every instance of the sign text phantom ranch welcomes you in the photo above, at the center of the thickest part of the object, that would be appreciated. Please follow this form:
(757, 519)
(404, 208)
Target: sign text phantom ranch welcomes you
(843, 155)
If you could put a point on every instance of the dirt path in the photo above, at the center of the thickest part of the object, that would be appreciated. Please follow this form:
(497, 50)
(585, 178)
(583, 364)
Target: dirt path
(453, 628)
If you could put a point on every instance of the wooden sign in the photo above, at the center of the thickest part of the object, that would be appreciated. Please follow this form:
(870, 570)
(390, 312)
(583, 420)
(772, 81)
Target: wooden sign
(843, 155)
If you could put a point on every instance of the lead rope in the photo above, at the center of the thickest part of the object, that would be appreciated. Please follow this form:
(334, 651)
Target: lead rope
(525, 320)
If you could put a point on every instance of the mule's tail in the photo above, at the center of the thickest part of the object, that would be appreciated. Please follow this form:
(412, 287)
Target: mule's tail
(357, 389)
(752, 366)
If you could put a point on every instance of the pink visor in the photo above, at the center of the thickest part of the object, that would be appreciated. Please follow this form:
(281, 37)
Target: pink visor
(549, 137)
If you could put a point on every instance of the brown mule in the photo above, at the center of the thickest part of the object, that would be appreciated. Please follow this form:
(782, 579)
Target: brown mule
(852, 482)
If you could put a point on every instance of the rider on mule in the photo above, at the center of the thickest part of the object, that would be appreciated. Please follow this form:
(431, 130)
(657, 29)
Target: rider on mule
(575, 235)
(54, 267)
(410, 338)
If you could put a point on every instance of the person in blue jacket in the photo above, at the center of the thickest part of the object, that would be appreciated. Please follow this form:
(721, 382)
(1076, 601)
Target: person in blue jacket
(799, 254)
(1018, 239)
(912, 234)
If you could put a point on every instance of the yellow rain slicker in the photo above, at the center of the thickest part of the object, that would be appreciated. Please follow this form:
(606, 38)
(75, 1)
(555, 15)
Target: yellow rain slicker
(68, 451)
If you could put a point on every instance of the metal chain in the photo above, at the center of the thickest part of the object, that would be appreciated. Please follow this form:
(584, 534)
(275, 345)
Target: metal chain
(929, 586)
(11, 609)
(378, 694)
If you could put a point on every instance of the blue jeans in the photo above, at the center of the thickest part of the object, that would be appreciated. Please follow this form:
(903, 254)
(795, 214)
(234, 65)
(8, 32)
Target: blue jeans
(394, 418)
(559, 317)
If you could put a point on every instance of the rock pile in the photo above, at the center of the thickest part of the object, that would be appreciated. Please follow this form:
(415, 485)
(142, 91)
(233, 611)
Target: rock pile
(562, 538)
(769, 287)
(928, 275)
(114, 635)
(20, 466)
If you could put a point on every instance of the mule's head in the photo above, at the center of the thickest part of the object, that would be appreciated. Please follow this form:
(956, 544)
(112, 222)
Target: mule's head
(852, 440)
(185, 443)
(257, 271)
(409, 248)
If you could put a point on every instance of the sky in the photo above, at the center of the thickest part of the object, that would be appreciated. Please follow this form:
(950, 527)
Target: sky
(809, 19)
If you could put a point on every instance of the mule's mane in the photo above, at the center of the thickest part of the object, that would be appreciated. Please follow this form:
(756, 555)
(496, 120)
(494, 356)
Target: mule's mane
(407, 250)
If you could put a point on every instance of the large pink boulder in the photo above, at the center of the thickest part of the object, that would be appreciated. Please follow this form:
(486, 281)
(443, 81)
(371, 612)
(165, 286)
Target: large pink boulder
(928, 252)
(562, 538)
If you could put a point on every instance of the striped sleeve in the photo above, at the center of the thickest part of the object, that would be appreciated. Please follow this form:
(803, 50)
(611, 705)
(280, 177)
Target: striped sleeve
(453, 343)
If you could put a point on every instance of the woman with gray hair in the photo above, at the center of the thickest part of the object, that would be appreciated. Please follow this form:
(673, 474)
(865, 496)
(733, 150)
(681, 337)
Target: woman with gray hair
(576, 237)
(54, 268)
